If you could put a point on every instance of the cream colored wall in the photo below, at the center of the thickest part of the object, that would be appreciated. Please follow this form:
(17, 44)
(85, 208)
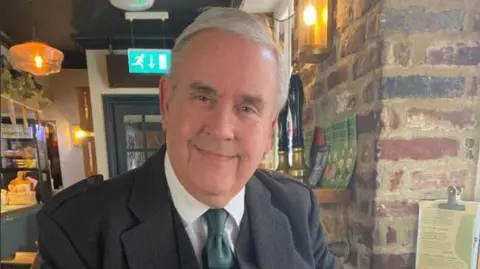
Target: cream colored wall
(98, 83)
(61, 89)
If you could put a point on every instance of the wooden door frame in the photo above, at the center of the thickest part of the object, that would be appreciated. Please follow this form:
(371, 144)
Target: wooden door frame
(109, 103)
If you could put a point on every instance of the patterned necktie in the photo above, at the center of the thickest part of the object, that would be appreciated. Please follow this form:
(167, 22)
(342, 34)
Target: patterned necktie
(217, 253)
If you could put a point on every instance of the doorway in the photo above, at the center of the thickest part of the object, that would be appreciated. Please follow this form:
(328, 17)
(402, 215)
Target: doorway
(133, 130)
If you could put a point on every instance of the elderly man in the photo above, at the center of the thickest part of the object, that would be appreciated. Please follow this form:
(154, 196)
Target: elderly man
(200, 202)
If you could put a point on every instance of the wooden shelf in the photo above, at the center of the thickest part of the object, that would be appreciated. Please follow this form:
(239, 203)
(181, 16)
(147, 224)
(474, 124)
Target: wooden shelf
(332, 196)
(25, 258)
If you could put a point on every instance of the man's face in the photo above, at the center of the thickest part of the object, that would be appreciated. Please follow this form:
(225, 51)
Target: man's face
(218, 111)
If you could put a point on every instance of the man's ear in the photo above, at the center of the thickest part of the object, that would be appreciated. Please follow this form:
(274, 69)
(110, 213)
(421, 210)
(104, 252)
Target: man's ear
(163, 93)
(271, 131)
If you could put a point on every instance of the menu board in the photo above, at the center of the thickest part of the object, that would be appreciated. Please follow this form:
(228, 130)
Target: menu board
(341, 138)
(16, 131)
(448, 238)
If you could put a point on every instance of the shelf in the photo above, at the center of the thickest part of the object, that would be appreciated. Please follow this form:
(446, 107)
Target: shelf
(14, 170)
(332, 196)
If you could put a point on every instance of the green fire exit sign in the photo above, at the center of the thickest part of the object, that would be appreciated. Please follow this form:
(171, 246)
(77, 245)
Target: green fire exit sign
(149, 61)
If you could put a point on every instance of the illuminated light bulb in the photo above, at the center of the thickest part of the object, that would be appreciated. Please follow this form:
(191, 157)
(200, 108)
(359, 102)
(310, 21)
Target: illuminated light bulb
(38, 61)
(310, 15)
(80, 134)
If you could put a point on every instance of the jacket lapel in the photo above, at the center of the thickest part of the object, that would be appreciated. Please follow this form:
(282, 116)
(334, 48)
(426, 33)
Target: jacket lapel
(270, 228)
(153, 242)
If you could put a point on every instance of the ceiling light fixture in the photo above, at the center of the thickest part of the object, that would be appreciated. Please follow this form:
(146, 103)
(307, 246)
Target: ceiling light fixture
(132, 5)
(37, 58)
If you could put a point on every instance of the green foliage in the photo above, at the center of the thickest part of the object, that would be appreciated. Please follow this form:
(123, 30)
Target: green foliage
(22, 86)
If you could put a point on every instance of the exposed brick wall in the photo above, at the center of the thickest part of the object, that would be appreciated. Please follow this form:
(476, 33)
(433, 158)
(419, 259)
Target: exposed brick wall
(347, 83)
(410, 71)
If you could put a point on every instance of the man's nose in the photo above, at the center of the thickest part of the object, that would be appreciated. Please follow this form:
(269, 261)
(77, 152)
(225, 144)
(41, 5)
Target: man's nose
(221, 123)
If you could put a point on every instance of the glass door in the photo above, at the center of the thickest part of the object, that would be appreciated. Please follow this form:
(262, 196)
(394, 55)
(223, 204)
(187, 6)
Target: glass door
(133, 123)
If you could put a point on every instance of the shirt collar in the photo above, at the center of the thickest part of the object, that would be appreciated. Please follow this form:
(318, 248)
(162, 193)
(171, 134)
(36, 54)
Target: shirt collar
(189, 208)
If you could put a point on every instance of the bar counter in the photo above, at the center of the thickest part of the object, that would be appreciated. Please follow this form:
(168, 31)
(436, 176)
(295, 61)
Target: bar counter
(18, 229)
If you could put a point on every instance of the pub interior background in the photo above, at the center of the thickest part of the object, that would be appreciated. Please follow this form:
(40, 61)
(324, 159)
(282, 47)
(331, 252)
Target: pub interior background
(390, 117)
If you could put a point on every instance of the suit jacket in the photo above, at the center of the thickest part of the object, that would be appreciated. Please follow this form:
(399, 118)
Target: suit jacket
(130, 222)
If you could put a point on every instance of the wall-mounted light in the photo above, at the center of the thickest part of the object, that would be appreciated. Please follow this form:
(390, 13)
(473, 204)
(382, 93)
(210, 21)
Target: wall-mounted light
(310, 15)
(315, 29)
(79, 135)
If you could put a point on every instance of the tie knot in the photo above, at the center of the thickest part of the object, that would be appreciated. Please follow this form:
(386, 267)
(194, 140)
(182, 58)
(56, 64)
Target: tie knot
(216, 219)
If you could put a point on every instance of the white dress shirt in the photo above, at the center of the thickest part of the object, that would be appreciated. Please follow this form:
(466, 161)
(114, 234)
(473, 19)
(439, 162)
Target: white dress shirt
(191, 211)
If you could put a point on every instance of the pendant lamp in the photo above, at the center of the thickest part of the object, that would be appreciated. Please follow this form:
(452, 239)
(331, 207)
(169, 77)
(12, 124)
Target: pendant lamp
(37, 58)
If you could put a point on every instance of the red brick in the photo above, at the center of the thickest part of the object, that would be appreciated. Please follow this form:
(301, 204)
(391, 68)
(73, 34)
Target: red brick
(446, 120)
(391, 235)
(395, 180)
(428, 87)
(308, 75)
(393, 261)
(415, 19)
(367, 62)
(367, 150)
(364, 207)
(454, 54)
(337, 77)
(433, 180)
(474, 88)
(353, 40)
(364, 260)
(352, 258)
(395, 209)
(369, 122)
(308, 115)
(363, 234)
(418, 148)
(366, 180)
(402, 52)
(398, 231)
(369, 92)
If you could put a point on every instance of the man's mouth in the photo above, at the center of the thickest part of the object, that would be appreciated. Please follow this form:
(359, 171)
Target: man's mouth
(214, 156)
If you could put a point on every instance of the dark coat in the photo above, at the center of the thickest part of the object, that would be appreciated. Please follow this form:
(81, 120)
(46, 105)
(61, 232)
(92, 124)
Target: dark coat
(130, 222)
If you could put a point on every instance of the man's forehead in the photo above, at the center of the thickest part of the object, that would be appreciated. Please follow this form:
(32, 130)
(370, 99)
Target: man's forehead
(220, 40)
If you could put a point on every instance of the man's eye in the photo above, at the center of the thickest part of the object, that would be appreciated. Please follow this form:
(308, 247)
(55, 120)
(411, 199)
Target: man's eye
(202, 98)
(246, 109)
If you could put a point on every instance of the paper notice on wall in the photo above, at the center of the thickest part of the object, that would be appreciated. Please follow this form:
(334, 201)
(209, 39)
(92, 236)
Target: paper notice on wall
(448, 238)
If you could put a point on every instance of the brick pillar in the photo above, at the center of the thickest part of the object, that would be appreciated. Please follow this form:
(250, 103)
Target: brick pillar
(410, 71)
(430, 112)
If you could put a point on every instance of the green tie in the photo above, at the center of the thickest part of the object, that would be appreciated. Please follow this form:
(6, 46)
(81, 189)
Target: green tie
(217, 254)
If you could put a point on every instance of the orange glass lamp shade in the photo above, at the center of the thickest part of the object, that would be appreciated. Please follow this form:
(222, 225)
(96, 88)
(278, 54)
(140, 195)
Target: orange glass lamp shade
(37, 58)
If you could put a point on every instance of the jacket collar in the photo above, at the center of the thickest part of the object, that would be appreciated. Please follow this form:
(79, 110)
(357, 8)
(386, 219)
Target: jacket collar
(152, 244)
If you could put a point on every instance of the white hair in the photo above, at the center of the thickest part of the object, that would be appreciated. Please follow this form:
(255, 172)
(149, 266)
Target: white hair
(249, 26)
